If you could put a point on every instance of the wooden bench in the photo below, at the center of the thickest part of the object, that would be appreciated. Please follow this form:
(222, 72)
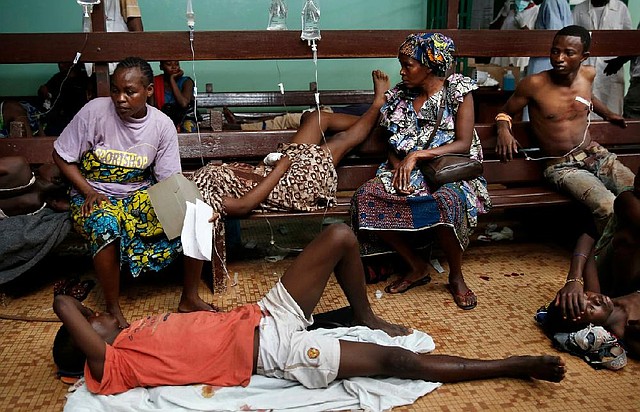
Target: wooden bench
(289, 98)
(260, 106)
(515, 184)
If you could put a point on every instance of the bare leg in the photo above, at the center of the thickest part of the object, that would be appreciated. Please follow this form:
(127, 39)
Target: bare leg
(368, 359)
(190, 301)
(335, 249)
(311, 128)
(419, 268)
(340, 144)
(357, 132)
(463, 296)
(107, 266)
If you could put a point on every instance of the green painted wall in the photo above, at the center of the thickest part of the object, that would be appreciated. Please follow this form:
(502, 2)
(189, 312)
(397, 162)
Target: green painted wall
(47, 16)
(634, 9)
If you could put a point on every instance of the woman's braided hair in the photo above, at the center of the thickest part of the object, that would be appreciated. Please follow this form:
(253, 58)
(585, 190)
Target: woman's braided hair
(140, 63)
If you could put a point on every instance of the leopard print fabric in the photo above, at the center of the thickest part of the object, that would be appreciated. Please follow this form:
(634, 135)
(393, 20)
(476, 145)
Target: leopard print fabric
(309, 184)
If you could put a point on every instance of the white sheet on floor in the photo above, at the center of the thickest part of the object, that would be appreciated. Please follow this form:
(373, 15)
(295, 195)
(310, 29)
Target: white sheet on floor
(275, 394)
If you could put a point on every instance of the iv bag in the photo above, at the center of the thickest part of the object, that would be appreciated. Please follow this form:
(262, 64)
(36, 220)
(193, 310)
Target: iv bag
(87, 8)
(191, 16)
(277, 15)
(310, 21)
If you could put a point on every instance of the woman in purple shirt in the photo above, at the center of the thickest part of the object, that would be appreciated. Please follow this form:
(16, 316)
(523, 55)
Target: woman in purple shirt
(111, 152)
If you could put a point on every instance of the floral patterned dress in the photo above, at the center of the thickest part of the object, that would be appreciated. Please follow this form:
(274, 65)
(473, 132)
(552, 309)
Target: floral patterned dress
(376, 205)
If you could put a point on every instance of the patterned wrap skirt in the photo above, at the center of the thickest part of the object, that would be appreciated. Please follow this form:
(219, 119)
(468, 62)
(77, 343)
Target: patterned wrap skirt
(455, 205)
(309, 184)
(130, 220)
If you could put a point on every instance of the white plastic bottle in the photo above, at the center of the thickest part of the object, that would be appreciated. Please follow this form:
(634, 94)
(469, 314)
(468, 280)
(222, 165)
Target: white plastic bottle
(310, 21)
(277, 15)
(509, 81)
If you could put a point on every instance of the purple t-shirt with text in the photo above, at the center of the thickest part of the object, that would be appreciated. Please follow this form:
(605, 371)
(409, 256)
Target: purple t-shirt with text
(134, 143)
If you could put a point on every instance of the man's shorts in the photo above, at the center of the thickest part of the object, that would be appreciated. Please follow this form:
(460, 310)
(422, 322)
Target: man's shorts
(287, 350)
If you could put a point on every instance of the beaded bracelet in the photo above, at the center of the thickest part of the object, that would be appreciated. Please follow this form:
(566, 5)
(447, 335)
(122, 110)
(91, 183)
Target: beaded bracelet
(581, 254)
(574, 280)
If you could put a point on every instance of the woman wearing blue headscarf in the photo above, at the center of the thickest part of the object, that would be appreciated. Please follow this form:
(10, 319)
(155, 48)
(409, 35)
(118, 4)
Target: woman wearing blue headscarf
(393, 211)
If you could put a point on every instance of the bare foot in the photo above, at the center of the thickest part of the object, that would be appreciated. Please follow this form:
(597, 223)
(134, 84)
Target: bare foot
(117, 313)
(194, 305)
(229, 116)
(547, 368)
(380, 85)
(375, 322)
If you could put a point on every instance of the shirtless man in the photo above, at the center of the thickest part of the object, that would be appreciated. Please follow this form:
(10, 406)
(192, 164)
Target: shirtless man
(225, 349)
(23, 192)
(559, 102)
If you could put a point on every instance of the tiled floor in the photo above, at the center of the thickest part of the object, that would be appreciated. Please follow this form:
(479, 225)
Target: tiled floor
(501, 325)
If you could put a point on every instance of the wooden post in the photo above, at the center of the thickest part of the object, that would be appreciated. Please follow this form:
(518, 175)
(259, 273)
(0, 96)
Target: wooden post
(453, 8)
(98, 24)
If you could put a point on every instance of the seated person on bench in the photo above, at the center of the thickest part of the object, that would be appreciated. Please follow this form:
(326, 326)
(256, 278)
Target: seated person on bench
(268, 337)
(111, 152)
(603, 284)
(173, 95)
(23, 192)
(61, 97)
(559, 102)
(428, 114)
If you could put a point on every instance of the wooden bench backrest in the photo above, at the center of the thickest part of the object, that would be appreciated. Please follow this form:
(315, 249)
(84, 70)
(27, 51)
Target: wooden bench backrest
(361, 163)
(290, 98)
(102, 47)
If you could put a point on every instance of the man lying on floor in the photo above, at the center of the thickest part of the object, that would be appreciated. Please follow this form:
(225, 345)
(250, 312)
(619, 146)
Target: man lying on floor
(269, 337)
(603, 284)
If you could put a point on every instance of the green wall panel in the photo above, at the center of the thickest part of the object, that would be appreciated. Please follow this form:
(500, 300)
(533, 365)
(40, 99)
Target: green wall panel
(46, 16)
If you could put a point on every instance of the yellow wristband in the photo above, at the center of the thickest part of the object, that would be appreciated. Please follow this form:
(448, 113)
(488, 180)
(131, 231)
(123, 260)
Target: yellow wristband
(504, 117)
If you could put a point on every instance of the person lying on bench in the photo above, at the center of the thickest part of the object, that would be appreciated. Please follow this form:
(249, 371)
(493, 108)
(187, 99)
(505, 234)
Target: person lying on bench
(111, 152)
(603, 284)
(342, 117)
(559, 101)
(300, 177)
(23, 192)
(269, 337)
